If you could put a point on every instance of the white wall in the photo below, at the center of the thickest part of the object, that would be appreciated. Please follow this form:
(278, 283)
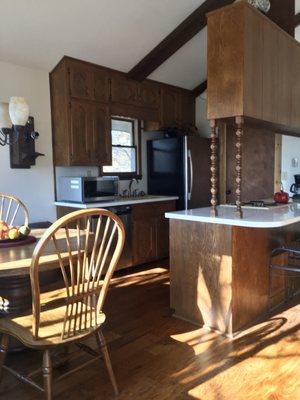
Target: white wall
(290, 150)
(34, 186)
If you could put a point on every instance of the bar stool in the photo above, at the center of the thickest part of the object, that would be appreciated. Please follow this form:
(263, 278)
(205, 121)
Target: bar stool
(291, 267)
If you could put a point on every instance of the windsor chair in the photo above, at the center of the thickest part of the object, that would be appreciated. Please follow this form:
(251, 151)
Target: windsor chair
(10, 208)
(87, 260)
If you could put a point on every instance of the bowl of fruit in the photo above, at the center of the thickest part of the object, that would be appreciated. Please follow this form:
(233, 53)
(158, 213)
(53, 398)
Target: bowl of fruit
(9, 233)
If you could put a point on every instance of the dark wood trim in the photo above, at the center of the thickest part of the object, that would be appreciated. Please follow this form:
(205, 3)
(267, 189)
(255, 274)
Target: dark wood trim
(297, 20)
(137, 143)
(192, 25)
(199, 89)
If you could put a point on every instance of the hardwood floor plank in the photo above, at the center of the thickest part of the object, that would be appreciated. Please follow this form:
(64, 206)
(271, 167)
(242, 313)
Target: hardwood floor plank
(158, 357)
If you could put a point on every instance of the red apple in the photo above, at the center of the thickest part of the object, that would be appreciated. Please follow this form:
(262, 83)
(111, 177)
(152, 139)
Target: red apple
(281, 197)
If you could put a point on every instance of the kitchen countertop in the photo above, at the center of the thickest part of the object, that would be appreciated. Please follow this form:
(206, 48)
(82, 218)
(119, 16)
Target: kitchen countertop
(278, 216)
(117, 202)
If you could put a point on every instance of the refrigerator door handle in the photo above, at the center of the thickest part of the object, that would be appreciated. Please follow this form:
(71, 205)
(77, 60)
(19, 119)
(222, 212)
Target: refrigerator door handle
(190, 159)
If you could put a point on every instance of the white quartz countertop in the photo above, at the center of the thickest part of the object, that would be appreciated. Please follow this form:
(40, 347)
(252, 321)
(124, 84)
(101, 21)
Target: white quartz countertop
(254, 218)
(117, 202)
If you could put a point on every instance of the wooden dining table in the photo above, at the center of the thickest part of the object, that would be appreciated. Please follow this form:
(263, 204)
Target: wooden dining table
(15, 288)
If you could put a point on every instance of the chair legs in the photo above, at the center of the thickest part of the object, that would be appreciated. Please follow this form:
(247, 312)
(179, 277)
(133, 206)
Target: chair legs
(47, 374)
(103, 347)
(3, 352)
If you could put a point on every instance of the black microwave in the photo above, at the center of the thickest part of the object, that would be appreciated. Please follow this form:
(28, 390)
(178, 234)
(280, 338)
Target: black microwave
(87, 189)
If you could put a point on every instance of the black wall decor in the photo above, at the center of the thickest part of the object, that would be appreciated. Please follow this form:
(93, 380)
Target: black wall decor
(22, 153)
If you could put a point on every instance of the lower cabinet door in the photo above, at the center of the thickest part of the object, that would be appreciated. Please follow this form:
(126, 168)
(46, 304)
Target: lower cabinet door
(162, 237)
(144, 241)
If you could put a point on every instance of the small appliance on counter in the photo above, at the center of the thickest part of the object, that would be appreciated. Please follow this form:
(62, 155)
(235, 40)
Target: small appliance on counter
(87, 189)
(295, 188)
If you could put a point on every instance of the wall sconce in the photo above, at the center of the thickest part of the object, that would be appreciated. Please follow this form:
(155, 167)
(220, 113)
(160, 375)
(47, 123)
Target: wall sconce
(13, 119)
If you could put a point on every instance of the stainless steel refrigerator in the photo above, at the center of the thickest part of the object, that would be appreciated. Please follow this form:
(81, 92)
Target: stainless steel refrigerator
(180, 167)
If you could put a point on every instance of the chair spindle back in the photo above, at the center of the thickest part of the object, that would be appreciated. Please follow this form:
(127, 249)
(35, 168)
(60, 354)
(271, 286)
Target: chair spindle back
(88, 245)
(12, 207)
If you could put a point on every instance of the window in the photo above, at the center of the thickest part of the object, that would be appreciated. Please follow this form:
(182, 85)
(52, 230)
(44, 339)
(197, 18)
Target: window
(124, 148)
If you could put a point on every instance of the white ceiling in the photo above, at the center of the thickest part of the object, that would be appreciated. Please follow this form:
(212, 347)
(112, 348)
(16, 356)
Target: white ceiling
(113, 33)
(187, 67)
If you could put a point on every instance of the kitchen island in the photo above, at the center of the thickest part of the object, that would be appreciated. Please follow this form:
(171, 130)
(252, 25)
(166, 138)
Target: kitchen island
(219, 266)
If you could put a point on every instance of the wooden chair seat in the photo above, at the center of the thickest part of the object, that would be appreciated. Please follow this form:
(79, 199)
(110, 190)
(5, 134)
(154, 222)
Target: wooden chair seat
(53, 311)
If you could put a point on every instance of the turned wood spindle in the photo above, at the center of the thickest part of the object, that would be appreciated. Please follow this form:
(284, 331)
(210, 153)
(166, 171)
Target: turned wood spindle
(214, 168)
(238, 157)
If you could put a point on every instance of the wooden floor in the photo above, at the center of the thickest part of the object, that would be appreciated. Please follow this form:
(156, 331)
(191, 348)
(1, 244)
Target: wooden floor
(158, 357)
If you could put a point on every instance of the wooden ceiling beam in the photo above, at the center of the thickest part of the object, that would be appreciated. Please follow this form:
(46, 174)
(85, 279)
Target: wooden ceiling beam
(199, 89)
(184, 32)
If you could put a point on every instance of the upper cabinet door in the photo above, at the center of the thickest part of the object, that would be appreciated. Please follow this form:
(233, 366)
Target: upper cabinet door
(80, 80)
(270, 73)
(80, 128)
(149, 94)
(170, 107)
(124, 90)
(100, 85)
(295, 112)
(285, 75)
(101, 136)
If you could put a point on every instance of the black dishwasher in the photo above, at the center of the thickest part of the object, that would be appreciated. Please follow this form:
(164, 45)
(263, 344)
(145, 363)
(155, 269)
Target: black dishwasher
(124, 213)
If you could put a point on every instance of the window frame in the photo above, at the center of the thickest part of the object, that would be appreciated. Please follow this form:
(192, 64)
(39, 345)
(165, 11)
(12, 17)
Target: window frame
(136, 144)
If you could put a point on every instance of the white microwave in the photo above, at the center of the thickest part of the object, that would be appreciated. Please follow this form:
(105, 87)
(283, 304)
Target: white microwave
(87, 189)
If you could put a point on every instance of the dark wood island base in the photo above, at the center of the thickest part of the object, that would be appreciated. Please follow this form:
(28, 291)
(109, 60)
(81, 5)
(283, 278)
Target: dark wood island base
(219, 274)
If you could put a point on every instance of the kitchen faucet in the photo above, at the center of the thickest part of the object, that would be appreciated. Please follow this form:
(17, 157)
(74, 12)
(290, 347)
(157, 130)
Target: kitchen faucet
(130, 185)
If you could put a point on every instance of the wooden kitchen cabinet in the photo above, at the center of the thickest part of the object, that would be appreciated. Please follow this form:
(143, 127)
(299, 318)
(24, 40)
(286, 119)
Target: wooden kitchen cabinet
(253, 73)
(144, 240)
(151, 231)
(270, 73)
(170, 107)
(295, 114)
(80, 127)
(80, 80)
(101, 135)
(124, 90)
(90, 136)
(162, 237)
(101, 85)
(149, 94)
(84, 96)
(188, 109)
(88, 82)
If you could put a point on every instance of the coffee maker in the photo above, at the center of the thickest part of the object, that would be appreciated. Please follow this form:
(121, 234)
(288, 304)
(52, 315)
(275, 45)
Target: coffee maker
(295, 188)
